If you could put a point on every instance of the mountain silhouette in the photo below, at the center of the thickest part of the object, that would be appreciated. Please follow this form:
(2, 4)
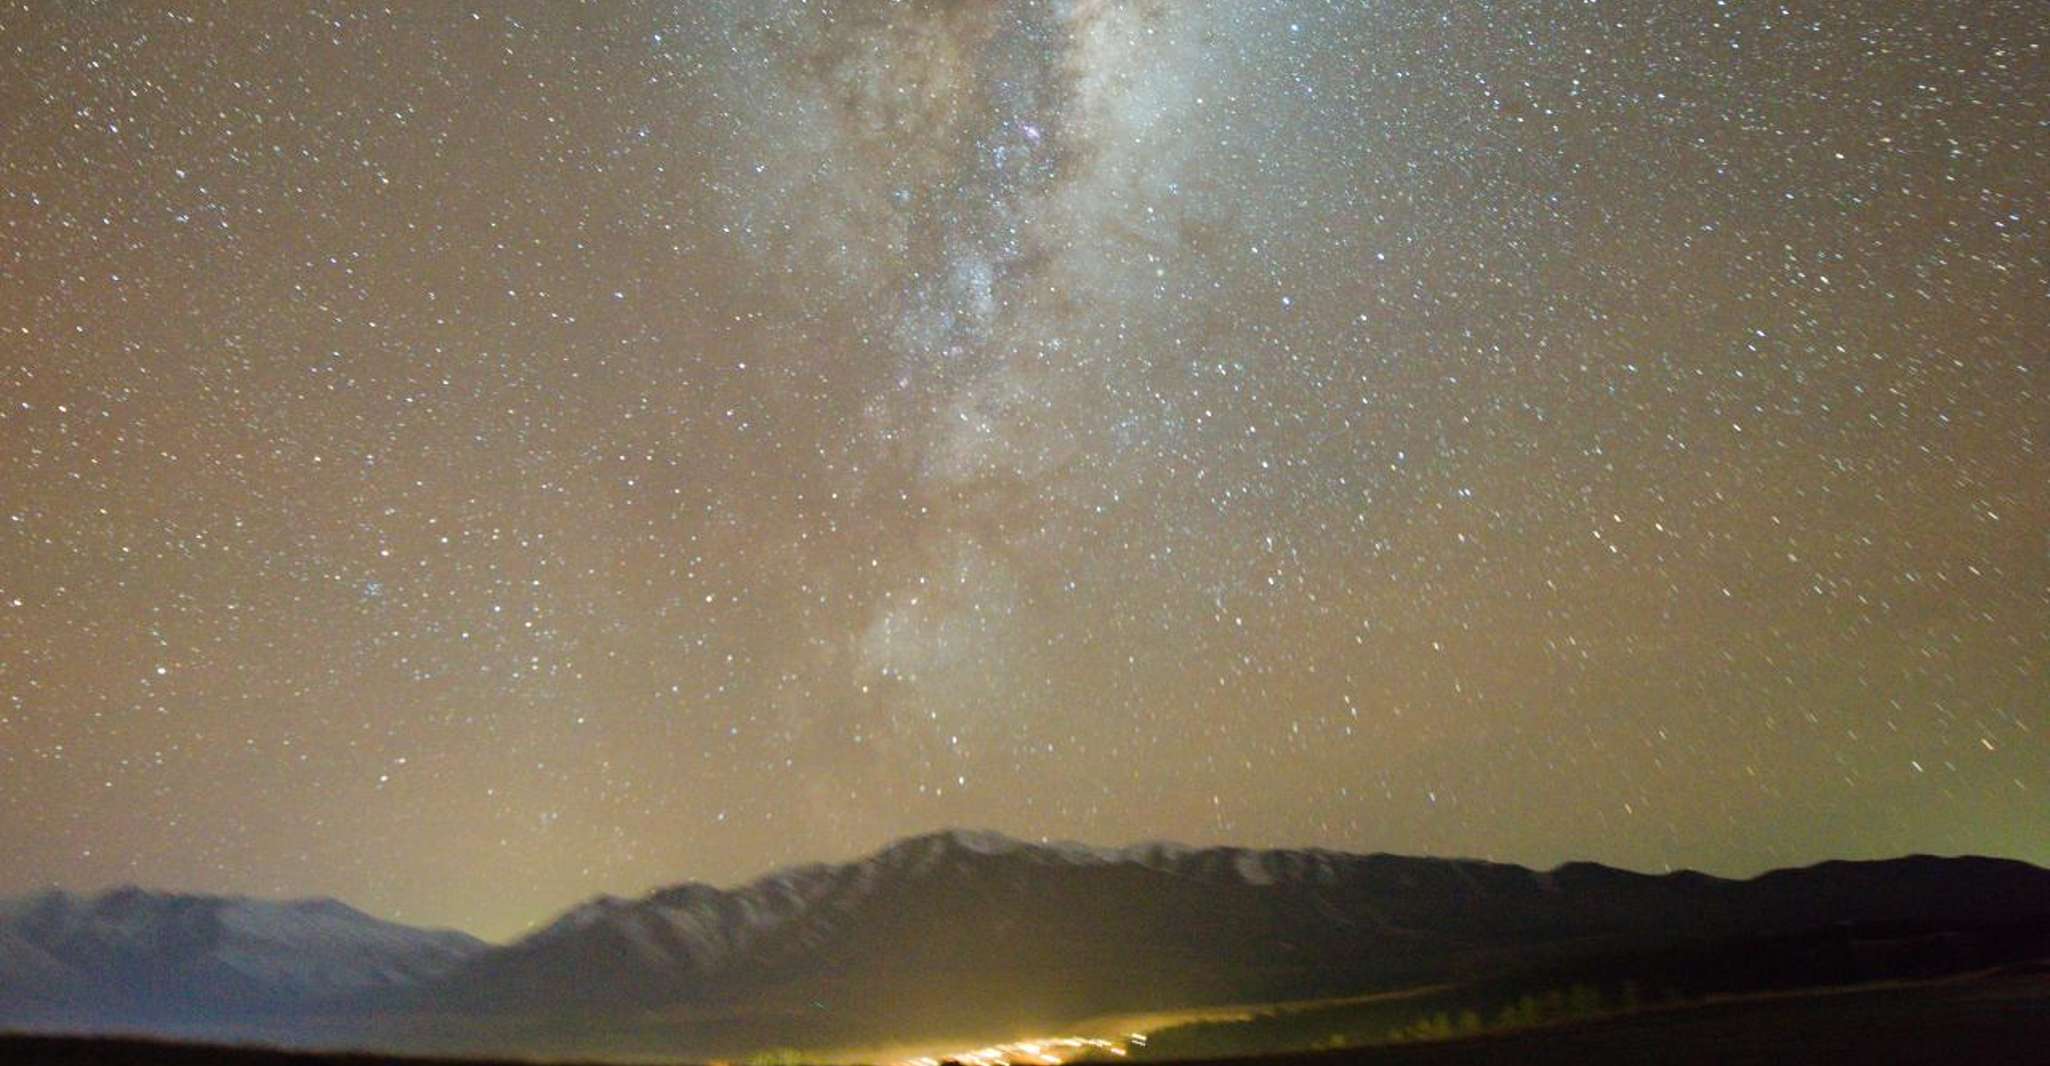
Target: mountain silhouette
(941, 934)
(131, 957)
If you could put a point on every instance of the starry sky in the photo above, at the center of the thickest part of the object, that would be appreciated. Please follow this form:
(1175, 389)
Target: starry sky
(465, 457)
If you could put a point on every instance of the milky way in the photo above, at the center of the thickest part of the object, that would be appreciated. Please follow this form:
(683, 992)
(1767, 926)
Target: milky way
(464, 458)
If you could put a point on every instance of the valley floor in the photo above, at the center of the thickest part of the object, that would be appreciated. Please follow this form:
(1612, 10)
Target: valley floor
(2002, 1018)
(1999, 1019)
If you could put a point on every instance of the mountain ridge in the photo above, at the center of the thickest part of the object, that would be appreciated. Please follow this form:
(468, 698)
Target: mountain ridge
(937, 933)
(1313, 921)
(142, 954)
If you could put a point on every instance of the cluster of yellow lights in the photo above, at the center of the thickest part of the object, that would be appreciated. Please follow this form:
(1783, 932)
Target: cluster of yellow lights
(1051, 1051)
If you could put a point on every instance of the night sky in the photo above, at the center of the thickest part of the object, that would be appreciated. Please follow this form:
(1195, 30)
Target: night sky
(462, 458)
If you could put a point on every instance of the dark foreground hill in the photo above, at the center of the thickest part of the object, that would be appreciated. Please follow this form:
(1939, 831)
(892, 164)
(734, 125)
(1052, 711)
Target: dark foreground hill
(972, 935)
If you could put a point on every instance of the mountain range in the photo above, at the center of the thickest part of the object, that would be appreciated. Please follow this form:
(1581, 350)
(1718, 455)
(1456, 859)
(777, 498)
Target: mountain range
(134, 958)
(954, 933)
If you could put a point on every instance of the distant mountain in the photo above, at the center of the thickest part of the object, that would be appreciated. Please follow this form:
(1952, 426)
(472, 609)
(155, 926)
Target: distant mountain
(942, 935)
(949, 930)
(131, 957)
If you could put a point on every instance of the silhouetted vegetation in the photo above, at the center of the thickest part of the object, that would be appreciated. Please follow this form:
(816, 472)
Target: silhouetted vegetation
(1598, 986)
(1446, 1014)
